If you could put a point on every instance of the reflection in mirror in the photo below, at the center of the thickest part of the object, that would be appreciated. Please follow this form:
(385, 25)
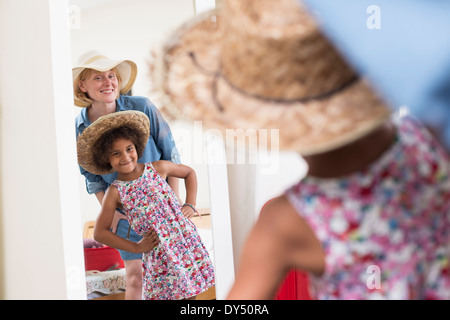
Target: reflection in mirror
(129, 30)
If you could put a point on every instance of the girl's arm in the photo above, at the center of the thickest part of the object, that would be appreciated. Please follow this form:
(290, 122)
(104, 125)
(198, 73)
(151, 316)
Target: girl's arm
(279, 241)
(117, 215)
(174, 183)
(103, 233)
(170, 169)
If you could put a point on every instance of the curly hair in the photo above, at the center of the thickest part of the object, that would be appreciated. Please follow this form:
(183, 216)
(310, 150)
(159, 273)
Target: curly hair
(102, 147)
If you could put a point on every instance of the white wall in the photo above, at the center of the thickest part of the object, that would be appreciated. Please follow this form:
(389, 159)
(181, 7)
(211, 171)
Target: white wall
(39, 207)
(127, 29)
(253, 183)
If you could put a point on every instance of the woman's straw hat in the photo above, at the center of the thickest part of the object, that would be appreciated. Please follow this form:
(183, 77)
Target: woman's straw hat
(89, 137)
(264, 64)
(96, 60)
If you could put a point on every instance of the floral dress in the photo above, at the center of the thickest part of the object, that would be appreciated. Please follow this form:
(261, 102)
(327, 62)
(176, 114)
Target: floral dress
(179, 266)
(385, 231)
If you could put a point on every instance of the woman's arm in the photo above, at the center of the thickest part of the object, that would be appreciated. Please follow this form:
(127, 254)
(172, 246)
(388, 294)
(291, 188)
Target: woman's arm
(94, 183)
(100, 195)
(103, 233)
(169, 169)
(160, 131)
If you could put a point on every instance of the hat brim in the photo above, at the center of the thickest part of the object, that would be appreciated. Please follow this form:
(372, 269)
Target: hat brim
(187, 80)
(86, 141)
(127, 70)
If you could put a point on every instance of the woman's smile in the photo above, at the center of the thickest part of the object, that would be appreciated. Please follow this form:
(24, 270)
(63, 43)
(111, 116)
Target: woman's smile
(101, 86)
(107, 91)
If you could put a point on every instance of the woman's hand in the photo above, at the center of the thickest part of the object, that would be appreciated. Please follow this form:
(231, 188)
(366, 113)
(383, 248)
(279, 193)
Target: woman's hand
(148, 241)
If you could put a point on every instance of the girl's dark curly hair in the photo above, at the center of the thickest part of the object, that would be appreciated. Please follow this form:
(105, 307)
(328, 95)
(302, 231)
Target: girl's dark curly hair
(102, 147)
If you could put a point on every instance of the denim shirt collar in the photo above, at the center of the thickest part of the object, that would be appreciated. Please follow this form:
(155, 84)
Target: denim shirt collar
(83, 120)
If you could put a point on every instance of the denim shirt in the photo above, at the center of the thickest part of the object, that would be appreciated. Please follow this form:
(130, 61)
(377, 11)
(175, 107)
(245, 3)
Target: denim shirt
(160, 145)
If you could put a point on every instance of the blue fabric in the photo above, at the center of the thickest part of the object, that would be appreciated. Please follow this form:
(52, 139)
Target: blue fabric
(160, 146)
(122, 231)
(407, 59)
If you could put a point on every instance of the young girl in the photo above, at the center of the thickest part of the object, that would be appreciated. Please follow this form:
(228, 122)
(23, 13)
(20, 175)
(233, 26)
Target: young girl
(176, 264)
(372, 218)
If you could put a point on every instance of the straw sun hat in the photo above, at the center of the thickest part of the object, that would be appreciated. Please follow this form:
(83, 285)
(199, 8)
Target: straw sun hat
(263, 64)
(89, 137)
(96, 60)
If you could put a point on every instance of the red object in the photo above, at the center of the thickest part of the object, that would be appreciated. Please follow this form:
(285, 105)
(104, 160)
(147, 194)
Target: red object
(294, 287)
(102, 259)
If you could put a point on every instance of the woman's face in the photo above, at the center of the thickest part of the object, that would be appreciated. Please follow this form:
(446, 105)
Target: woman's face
(101, 86)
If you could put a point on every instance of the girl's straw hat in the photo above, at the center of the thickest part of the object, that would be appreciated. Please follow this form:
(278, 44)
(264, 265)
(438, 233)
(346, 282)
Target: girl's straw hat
(96, 60)
(263, 64)
(88, 138)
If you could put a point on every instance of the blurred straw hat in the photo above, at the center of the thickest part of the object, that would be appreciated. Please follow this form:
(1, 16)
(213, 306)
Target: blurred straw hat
(89, 137)
(264, 64)
(96, 60)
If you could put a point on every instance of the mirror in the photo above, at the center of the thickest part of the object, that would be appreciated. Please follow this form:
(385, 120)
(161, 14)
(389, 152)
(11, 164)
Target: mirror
(129, 30)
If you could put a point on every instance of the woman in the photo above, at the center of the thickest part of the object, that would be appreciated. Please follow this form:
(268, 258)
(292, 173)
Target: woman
(99, 86)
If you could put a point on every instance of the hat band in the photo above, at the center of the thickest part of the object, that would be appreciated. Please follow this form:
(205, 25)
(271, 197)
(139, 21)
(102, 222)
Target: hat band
(218, 74)
(95, 59)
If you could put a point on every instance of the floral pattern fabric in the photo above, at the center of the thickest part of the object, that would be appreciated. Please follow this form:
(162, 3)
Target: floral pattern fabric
(385, 230)
(106, 282)
(179, 266)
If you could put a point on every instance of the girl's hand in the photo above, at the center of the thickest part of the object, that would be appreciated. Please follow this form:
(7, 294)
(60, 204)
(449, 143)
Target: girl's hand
(187, 211)
(148, 241)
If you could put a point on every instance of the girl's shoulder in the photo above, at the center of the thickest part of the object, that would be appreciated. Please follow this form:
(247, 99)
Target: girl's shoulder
(280, 220)
(112, 193)
(114, 186)
(159, 165)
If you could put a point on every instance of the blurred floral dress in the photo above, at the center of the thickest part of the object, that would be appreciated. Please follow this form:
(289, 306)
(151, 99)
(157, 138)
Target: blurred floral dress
(385, 231)
(179, 266)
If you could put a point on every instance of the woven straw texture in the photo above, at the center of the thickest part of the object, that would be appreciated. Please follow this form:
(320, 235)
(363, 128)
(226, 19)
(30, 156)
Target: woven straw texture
(86, 141)
(263, 64)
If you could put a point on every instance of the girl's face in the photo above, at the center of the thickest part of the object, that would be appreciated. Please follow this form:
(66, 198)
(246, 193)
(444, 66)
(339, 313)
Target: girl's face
(101, 86)
(123, 156)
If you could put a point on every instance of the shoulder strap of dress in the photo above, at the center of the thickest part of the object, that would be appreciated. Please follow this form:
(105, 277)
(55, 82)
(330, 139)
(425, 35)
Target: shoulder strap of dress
(116, 184)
